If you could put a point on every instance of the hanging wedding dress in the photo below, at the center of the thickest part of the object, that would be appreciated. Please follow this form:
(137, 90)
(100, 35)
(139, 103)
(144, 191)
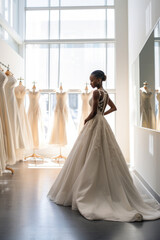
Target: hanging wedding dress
(35, 119)
(158, 112)
(86, 109)
(3, 158)
(146, 112)
(20, 93)
(59, 129)
(95, 178)
(14, 114)
(5, 120)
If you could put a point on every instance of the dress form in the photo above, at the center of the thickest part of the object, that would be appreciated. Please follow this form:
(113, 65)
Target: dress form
(5, 122)
(20, 93)
(34, 116)
(58, 133)
(146, 112)
(86, 109)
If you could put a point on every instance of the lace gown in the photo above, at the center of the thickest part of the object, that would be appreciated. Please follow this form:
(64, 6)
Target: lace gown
(35, 119)
(20, 92)
(14, 114)
(5, 121)
(59, 131)
(95, 178)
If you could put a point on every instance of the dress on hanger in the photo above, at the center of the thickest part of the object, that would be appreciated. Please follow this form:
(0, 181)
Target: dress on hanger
(35, 119)
(59, 129)
(3, 157)
(86, 109)
(14, 114)
(20, 92)
(95, 178)
(158, 112)
(5, 121)
(146, 112)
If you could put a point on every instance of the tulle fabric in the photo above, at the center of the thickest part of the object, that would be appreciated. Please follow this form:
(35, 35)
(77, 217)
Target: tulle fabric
(96, 181)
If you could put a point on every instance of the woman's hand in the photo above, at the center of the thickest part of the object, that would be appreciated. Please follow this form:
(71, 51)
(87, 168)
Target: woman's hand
(85, 121)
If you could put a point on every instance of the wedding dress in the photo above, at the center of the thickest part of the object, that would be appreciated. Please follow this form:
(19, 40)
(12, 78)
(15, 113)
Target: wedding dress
(14, 113)
(158, 113)
(59, 129)
(2, 150)
(35, 119)
(5, 121)
(95, 178)
(20, 92)
(146, 112)
(86, 109)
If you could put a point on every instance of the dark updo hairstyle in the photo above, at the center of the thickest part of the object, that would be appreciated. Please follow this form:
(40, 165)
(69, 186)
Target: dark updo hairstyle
(99, 74)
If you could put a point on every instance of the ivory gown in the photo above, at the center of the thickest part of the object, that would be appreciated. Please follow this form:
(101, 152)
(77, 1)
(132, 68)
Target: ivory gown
(158, 113)
(59, 131)
(3, 158)
(86, 109)
(35, 119)
(146, 112)
(20, 93)
(14, 114)
(5, 120)
(95, 178)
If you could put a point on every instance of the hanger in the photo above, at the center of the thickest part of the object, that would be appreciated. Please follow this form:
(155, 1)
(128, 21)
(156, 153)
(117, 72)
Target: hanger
(20, 81)
(8, 73)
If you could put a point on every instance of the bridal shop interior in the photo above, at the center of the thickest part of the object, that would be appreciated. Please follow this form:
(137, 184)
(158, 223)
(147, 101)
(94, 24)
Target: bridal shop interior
(48, 49)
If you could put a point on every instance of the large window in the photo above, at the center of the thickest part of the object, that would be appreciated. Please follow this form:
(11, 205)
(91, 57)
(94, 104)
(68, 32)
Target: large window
(65, 41)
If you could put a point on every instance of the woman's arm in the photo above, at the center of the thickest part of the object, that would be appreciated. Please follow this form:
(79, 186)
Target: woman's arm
(112, 107)
(94, 108)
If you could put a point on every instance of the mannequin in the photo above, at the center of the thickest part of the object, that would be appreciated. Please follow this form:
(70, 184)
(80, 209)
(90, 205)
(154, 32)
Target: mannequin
(59, 131)
(20, 92)
(5, 122)
(58, 134)
(86, 109)
(34, 116)
(146, 112)
(14, 114)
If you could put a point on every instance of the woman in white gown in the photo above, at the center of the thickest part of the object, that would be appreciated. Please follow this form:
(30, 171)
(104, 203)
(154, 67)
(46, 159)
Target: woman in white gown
(95, 178)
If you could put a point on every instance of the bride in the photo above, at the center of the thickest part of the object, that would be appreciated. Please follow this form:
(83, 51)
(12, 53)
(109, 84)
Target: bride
(95, 178)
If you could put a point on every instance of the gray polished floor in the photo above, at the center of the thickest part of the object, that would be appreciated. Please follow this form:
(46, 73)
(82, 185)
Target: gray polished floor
(27, 214)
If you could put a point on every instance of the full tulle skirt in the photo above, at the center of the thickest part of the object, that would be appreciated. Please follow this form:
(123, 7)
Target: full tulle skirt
(96, 181)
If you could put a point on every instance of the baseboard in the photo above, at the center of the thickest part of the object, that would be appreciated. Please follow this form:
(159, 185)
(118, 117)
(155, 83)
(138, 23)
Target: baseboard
(146, 185)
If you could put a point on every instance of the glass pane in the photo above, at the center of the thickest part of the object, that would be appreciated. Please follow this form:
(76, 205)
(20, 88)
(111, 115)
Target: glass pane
(83, 24)
(14, 16)
(54, 3)
(37, 24)
(110, 83)
(37, 66)
(86, 2)
(37, 3)
(54, 56)
(77, 61)
(110, 23)
(54, 24)
(157, 30)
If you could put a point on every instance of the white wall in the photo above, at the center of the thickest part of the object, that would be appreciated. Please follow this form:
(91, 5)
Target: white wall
(145, 151)
(122, 103)
(9, 56)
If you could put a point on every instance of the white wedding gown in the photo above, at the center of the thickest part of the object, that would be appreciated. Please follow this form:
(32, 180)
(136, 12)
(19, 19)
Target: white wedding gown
(20, 93)
(95, 178)
(35, 119)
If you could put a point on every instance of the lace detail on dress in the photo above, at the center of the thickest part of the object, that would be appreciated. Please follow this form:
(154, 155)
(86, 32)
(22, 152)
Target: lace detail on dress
(102, 103)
